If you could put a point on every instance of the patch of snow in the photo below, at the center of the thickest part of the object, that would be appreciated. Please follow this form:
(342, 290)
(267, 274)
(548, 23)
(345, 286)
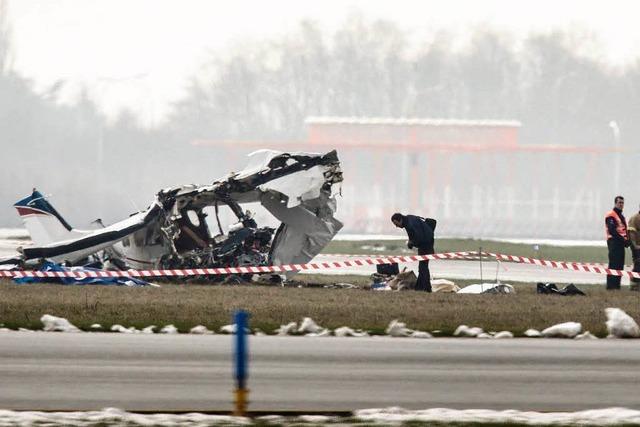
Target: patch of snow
(563, 330)
(592, 417)
(286, 329)
(228, 329)
(397, 329)
(620, 324)
(586, 335)
(465, 331)
(200, 330)
(320, 333)
(314, 419)
(420, 334)
(503, 335)
(308, 325)
(484, 335)
(96, 326)
(149, 329)
(57, 324)
(231, 329)
(169, 329)
(5, 330)
(25, 330)
(532, 333)
(121, 329)
(345, 331)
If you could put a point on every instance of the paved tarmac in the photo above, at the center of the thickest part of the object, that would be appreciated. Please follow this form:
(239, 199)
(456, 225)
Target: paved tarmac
(55, 371)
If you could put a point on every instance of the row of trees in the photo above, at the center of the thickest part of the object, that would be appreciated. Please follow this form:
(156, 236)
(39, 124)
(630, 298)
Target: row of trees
(264, 91)
(550, 82)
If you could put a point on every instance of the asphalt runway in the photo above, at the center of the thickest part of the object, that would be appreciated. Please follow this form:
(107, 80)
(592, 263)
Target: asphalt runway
(85, 371)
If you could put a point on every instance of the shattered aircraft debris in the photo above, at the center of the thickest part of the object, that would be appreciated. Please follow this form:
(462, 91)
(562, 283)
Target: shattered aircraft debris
(298, 189)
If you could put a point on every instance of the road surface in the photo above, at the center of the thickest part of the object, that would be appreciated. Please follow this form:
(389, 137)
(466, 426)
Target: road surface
(55, 371)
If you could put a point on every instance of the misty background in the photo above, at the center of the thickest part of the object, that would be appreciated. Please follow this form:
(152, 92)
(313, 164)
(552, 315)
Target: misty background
(95, 166)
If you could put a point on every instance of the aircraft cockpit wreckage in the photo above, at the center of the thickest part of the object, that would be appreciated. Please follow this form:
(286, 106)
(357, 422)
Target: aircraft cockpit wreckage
(298, 189)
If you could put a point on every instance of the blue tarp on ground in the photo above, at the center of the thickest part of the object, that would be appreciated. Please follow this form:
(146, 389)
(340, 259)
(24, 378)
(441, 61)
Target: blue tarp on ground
(51, 266)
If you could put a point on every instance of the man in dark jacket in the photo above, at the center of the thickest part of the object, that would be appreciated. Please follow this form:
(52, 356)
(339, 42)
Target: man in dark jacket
(420, 233)
(617, 240)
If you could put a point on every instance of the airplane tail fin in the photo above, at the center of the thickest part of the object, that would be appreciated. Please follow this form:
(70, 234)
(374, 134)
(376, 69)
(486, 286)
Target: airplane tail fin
(44, 223)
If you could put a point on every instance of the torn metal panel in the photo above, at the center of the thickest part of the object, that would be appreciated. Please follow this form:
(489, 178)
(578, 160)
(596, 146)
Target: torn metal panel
(297, 188)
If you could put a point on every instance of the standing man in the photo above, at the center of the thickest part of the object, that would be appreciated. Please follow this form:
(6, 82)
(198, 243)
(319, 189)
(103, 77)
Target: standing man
(617, 240)
(634, 239)
(420, 233)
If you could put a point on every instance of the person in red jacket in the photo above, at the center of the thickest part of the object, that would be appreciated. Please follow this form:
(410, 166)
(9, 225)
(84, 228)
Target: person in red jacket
(617, 240)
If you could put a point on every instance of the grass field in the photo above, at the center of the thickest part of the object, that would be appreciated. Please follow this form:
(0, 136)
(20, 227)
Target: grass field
(189, 305)
(397, 247)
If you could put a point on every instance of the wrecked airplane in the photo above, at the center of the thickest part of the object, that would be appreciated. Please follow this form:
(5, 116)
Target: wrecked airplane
(298, 189)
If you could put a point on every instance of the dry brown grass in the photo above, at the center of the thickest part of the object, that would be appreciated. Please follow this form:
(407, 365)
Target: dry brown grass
(212, 305)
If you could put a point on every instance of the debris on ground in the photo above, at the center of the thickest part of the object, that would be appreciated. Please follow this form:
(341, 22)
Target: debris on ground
(80, 280)
(444, 286)
(563, 330)
(552, 289)
(487, 288)
(341, 285)
(620, 324)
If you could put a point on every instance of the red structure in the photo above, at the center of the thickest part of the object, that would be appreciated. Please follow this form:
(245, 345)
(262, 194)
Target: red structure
(473, 175)
(416, 133)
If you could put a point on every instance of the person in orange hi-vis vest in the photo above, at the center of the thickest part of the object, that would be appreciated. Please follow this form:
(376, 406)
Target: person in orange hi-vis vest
(634, 238)
(617, 240)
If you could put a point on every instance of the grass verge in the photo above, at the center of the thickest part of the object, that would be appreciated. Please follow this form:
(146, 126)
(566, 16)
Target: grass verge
(189, 305)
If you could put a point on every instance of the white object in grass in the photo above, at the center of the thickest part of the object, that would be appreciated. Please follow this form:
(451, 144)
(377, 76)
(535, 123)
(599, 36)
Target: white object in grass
(563, 330)
(397, 329)
(57, 324)
(620, 324)
(308, 325)
(200, 330)
(532, 333)
(169, 329)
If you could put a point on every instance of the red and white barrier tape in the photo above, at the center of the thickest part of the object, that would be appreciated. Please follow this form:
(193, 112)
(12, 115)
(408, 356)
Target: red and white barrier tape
(238, 270)
(586, 268)
(358, 262)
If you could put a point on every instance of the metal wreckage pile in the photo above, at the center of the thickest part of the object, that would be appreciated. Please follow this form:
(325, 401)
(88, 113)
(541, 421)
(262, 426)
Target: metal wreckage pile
(298, 189)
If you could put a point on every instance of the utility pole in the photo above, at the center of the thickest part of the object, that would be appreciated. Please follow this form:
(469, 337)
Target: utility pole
(616, 139)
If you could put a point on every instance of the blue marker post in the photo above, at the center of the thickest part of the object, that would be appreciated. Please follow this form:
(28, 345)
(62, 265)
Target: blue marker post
(241, 319)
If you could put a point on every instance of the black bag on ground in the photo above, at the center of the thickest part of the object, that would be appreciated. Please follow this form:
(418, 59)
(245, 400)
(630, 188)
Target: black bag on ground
(388, 269)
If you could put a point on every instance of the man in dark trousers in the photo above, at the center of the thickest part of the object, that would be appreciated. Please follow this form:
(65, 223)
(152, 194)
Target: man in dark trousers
(617, 240)
(420, 233)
